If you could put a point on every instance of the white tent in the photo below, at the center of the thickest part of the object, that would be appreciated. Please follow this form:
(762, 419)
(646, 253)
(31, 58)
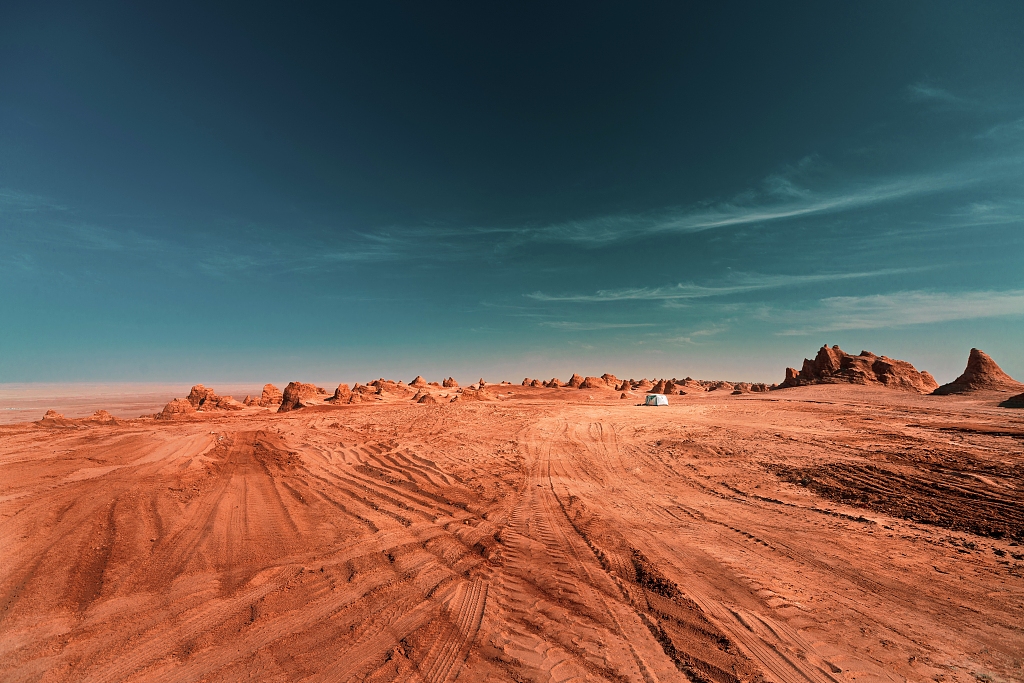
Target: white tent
(656, 400)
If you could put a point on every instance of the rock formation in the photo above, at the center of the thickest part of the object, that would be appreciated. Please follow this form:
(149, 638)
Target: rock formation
(418, 382)
(553, 383)
(536, 383)
(575, 381)
(1013, 402)
(363, 393)
(663, 386)
(200, 395)
(450, 383)
(744, 387)
(427, 398)
(593, 383)
(271, 396)
(298, 395)
(53, 419)
(177, 409)
(341, 395)
(206, 399)
(835, 366)
(982, 374)
(228, 403)
(100, 417)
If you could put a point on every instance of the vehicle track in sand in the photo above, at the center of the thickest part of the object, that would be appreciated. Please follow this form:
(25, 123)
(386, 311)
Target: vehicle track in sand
(533, 540)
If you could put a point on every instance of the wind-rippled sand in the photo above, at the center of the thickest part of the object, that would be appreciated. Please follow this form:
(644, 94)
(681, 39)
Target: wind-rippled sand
(815, 534)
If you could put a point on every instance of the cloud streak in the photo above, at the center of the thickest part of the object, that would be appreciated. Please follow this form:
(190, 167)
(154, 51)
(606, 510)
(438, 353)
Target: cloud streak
(571, 326)
(749, 282)
(773, 206)
(901, 309)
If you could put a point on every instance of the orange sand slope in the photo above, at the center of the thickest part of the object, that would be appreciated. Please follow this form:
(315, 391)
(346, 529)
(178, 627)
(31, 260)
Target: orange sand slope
(823, 533)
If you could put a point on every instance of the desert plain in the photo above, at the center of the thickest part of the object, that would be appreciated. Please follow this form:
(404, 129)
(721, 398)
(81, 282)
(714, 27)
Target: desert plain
(820, 533)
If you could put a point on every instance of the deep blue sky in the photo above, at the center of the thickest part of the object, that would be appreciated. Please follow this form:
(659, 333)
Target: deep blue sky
(249, 193)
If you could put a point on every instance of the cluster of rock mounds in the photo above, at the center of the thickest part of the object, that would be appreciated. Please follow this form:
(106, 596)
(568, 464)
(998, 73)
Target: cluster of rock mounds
(835, 366)
(271, 396)
(831, 365)
(419, 390)
(205, 399)
(300, 395)
(54, 419)
(660, 386)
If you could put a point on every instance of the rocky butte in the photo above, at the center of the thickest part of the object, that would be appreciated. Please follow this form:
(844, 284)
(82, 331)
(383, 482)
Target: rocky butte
(835, 366)
(982, 374)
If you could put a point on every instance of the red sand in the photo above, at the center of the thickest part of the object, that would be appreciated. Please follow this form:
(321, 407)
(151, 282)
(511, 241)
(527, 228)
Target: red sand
(825, 533)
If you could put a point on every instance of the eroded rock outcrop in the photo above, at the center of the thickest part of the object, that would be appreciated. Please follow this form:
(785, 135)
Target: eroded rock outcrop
(341, 395)
(575, 381)
(450, 383)
(664, 386)
(982, 374)
(177, 409)
(1013, 402)
(418, 382)
(53, 419)
(206, 399)
(298, 395)
(271, 396)
(199, 396)
(835, 366)
(745, 387)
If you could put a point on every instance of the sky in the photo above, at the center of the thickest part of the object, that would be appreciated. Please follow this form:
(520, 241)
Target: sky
(233, 192)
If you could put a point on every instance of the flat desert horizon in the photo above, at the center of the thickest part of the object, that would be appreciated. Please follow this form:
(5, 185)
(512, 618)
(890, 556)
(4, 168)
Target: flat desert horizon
(838, 529)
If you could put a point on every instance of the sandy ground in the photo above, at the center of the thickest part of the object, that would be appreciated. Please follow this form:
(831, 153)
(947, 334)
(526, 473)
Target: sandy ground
(807, 535)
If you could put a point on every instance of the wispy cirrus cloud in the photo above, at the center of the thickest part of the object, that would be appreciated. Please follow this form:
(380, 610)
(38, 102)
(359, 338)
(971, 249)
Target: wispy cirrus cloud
(573, 326)
(740, 283)
(900, 309)
(928, 92)
(780, 199)
(36, 229)
(12, 200)
(1004, 132)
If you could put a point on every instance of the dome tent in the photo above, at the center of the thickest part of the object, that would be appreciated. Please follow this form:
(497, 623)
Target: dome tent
(656, 400)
